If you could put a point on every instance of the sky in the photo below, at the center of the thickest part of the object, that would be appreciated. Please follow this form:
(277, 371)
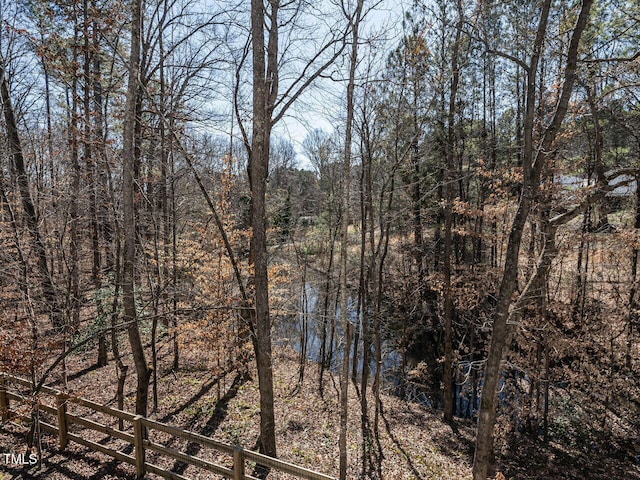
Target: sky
(322, 106)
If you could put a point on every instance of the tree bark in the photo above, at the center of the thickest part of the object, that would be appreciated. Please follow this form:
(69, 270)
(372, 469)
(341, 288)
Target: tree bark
(143, 372)
(632, 317)
(264, 86)
(344, 293)
(448, 224)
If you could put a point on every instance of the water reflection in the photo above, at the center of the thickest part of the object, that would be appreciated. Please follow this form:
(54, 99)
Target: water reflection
(289, 331)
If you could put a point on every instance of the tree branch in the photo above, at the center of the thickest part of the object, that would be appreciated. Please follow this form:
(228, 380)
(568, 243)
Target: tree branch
(293, 95)
(597, 194)
(633, 57)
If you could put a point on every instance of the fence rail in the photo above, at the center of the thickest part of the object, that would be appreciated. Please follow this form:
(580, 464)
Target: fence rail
(141, 427)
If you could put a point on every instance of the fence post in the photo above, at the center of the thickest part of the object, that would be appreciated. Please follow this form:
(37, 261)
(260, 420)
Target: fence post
(138, 444)
(61, 405)
(238, 464)
(4, 401)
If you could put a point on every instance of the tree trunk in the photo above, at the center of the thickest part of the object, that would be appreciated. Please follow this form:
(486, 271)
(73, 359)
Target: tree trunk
(344, 244)
(448, 224)
(121, 368)
(367, 287)
(143, 372)
(264, 85)
(532, 168)
(324, 363)
(600, 220)
(304, 328)
(632, 318)
(32, 220)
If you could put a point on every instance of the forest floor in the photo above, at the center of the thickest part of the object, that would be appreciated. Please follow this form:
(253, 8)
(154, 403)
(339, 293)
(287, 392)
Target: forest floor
(414, 441)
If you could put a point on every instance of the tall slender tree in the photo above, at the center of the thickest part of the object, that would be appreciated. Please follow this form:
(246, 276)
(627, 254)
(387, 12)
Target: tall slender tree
(143, 371)
(533, 162)
(344, 244)
(269, 107)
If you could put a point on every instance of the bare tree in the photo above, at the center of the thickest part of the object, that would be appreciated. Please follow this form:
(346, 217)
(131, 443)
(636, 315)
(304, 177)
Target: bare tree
(269, 106)
(448, 220)
(344, 245)
(143, 372)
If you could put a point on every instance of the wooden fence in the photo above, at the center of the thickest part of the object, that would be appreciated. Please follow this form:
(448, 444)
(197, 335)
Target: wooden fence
(142, 426)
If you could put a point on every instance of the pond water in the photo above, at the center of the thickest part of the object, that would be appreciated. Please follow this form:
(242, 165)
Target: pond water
(289, 331)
